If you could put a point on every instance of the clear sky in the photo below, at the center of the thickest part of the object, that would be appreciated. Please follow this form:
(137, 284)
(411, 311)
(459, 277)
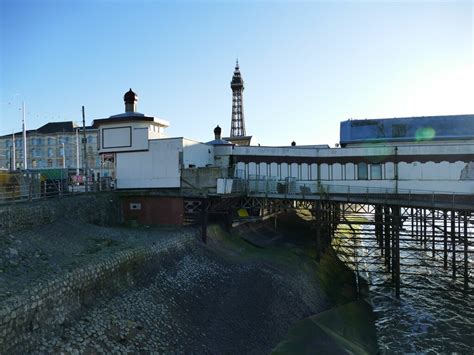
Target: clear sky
(306, 65)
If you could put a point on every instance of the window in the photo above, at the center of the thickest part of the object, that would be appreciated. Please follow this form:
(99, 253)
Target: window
(50, 152)
(50, 141)
(399, 130)
(376, 171)
(50, 163)
(362, 171)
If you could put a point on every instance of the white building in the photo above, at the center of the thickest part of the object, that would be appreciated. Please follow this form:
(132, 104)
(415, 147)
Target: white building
(144, 158)
(142, 155)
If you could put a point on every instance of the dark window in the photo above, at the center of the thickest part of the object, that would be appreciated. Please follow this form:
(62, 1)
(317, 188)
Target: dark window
(399, 130)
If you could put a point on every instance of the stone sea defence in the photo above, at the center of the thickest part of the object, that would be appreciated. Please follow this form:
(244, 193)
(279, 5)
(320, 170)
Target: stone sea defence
(100, 209)
(39, 310)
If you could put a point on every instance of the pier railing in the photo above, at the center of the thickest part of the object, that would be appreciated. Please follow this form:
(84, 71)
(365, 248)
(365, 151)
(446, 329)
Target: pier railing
(292, 188)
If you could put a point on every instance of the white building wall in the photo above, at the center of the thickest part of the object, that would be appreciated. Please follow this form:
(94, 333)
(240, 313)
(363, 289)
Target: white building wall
(305, 172)
(336, 171)
(350, 171)
(416, 176)
(155, 168)
(197, 154)
(122, 137)
(324, 171)
(273, 169)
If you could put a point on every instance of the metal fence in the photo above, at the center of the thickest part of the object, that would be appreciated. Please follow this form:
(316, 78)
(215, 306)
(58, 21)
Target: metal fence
(28, 185)
(292, 188)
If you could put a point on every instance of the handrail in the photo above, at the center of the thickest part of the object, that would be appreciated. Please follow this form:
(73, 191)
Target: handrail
(315, 189)
(352, 189)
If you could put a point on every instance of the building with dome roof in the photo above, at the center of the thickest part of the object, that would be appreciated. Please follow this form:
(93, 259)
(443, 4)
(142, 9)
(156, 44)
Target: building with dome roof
(142, 155)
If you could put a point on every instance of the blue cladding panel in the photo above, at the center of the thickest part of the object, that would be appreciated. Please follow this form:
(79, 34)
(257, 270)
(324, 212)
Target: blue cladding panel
(407, 129)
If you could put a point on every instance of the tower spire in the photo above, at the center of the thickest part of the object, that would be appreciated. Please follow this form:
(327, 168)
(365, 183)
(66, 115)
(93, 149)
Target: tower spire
(237, 85)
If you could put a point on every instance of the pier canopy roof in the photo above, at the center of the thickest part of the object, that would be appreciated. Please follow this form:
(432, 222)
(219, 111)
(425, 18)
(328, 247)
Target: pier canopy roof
(407, 129)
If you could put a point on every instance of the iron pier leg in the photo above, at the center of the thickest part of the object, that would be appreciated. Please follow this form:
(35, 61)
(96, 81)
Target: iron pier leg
(433, 232)
(445, 235)
(466, 260)
(318, 231)
(228, 220)
(424, 227)
(204, 221)
(378, 227)
(412, 224)
(396, 250)
(453, 242)
(417, 229)
(387, 237)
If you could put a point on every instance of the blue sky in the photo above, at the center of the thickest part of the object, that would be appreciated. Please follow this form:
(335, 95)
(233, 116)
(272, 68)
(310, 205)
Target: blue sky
(306, 65)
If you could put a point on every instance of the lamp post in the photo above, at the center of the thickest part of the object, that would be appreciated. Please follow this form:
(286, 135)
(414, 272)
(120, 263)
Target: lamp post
(25, 161)
(64, 156)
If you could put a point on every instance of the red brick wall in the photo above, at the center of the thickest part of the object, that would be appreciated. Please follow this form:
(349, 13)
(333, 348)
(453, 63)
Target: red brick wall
(154, 210)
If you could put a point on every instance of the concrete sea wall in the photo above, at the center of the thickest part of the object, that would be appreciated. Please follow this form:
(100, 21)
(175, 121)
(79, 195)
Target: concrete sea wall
(42, 309)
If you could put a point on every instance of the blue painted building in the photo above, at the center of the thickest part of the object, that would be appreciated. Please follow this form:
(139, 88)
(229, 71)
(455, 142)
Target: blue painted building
(407, 129)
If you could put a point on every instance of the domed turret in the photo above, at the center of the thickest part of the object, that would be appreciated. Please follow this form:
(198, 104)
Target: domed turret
(130, 99)
(217, 133)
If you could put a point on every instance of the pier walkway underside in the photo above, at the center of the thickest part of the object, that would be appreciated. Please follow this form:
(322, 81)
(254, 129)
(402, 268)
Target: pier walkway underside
(393, 237)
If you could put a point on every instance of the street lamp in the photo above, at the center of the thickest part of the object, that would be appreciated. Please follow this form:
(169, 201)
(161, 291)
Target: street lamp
(64, 156)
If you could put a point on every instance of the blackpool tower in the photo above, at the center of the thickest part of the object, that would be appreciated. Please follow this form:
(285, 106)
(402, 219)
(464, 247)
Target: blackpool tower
(237, 131)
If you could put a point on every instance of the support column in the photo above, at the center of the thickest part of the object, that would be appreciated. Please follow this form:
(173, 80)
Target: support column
(424, 226)
(453, 242)
(433, 231)
(417, 225)
(387, 237)
(412, 224)
(396, 249)
(318, 231)
(204, 215)
(445, 235)
(466, 259)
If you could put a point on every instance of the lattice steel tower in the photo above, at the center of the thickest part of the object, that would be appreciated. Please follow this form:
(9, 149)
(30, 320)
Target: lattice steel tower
(237, 85)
